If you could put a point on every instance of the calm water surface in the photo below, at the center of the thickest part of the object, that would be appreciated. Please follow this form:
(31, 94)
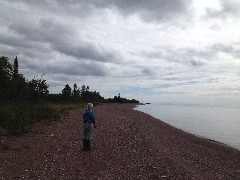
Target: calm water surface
(218, 123)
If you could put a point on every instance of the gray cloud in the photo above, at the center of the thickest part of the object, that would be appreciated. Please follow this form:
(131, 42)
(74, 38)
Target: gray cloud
(232, 50)
(60, 37)
(190, 56)
(228, 8)
(151, 10)
(69, 40)
(181, 56)
(214, 50)
(17, 45)
(69, 68)
(88, 51)
(148, 71)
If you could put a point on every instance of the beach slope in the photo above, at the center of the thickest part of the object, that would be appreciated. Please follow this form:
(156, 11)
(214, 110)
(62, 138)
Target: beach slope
(128, 144)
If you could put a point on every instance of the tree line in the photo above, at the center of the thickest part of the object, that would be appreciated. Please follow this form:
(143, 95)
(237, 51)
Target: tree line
(24, 102)
(15, 88)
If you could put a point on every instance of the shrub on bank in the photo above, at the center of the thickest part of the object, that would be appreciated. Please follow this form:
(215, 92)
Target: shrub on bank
(18, 118)
(15, 119)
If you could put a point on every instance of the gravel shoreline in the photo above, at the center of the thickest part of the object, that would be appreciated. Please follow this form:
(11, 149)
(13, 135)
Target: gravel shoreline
(128, 144)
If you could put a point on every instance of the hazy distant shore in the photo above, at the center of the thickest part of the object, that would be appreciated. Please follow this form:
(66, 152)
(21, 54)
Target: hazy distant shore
(127, 144)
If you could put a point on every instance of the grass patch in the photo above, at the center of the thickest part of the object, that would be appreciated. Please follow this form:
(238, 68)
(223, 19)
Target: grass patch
(8, 147)
(36, 131)
(22, 148)
(5, 147)
(3, 132)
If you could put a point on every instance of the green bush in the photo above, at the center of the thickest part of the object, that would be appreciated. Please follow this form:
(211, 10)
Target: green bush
(47, 114)
(17, 119)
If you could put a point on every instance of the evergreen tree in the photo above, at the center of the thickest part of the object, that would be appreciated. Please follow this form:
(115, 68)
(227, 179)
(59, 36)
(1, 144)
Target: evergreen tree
(13, 86)
(75, 90)
(67, 91)
(15, 68)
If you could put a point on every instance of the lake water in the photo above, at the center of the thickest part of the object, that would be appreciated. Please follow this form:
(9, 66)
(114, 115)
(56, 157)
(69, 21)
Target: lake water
(218, 123)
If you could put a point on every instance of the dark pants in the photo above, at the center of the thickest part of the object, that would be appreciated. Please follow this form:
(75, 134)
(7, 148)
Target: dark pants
(87, 136)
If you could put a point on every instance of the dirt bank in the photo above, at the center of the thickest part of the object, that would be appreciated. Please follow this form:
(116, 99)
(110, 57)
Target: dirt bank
(128, 145)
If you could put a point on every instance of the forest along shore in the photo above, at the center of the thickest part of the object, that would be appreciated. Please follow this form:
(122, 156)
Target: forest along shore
(128, 144)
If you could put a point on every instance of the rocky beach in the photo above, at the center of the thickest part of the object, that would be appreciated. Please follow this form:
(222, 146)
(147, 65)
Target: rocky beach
(127, 144)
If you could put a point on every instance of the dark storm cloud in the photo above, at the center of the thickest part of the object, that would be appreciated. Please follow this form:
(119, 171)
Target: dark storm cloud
(19, 45)
(61, 38)
(228, 8)
(153, 10)
(87, 51)
(69, 68)
(150, 10)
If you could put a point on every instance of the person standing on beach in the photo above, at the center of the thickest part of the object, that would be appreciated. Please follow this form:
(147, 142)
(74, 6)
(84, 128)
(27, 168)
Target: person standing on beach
(89, 123)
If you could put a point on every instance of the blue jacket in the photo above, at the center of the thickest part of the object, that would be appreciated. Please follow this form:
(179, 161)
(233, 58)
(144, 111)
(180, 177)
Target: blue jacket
(89, 115)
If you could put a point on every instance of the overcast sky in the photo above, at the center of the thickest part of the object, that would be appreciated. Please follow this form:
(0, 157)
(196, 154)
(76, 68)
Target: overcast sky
(150, 50)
